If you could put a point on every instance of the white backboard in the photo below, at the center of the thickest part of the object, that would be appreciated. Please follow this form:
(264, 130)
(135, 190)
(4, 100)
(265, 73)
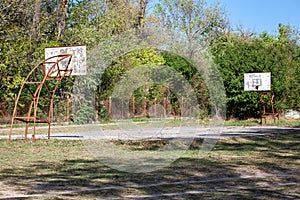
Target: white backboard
(257, 81)
(78, 61)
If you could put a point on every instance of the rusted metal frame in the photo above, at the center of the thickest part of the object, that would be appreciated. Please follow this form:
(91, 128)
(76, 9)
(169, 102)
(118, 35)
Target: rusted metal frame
(28, 117)
(53, 93)
(50, 113)
(263, 107)
(46, 87)
(275, 113)
(28, 89)
(58, 73)
(17, 100)
(64, 56)
(36, 95)
(36, 103)
(270, 102)
(33, 102)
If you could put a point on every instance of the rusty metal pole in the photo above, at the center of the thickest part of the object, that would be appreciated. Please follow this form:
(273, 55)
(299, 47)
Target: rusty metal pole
(133, 106)
(145, 107)
(110, 107)
(165, 106)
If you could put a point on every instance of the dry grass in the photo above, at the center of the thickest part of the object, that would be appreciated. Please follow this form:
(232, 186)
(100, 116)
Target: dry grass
(265, 167)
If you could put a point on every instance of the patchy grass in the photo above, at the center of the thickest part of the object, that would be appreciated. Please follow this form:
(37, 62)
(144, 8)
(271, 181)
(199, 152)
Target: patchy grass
(289, 123)
(265, 167)
(255, 122)
(250, 122)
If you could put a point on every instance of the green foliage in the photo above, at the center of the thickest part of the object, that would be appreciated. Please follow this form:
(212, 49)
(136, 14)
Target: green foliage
(119, 67)
(103, 113)
(149, 61)
(236, 55)
(193, 76)
(85, 115)
(198, 24)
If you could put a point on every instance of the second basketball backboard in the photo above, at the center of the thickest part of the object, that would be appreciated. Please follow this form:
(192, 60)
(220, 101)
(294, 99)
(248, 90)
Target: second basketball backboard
(257, 81)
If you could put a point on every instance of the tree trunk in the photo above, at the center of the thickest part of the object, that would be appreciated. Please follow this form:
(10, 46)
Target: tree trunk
(35, 31)
(62, 9)
(141, 13)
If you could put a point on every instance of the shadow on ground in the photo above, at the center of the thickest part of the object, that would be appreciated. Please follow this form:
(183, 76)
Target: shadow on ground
(252, 167)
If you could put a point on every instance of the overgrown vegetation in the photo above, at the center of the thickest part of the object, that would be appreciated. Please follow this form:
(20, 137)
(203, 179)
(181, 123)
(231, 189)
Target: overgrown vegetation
(28, 27)
(238, 54)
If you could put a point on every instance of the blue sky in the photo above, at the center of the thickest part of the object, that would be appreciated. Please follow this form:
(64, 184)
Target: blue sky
(262, 15)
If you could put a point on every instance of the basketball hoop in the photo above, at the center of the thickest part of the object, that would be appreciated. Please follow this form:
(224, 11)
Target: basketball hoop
(261, 82)
(42, 82)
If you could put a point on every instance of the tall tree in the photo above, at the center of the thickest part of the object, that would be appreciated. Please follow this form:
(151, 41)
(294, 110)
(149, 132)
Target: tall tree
(196, 22)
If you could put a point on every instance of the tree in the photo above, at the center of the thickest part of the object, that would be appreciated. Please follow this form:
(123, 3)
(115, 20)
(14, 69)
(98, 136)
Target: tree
(26, 28)
(15, 18)
(236, 54)
(195, 21)
(165, 80)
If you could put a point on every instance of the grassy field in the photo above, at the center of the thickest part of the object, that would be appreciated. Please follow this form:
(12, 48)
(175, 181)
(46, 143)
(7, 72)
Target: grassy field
(265, 167)
(254, 122)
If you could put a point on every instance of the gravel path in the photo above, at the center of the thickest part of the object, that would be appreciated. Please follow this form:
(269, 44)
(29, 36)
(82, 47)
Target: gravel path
(187, 132)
